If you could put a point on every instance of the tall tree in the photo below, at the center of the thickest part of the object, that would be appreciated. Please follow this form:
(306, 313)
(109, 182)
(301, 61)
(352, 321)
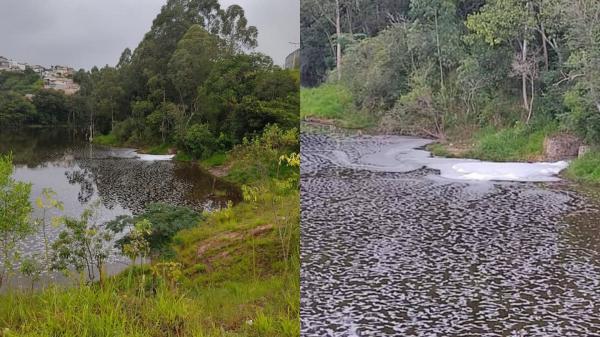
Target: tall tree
(511, 21)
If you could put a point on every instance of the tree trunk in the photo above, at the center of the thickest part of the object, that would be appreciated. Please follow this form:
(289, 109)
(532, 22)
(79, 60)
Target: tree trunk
(338, 31)
(545, 47)
(530, 110)
(439, 50)
(524, 76)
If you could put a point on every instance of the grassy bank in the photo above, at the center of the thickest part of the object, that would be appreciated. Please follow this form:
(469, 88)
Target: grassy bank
(586, 169)
(235, 274)
(111, 140)
(333, 103)
(517, 144)
(520, 143)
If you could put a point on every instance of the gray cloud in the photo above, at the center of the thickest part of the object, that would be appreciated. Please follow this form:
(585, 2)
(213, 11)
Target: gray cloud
(84, 33)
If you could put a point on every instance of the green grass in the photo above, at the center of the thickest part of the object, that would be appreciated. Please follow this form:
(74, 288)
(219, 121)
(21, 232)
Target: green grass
(513, 144)
(106, 140)
(329, 101)
(159, 149)
(586, 169)
(183, 156)
(439, 150)
(334, 102)
(216, 159)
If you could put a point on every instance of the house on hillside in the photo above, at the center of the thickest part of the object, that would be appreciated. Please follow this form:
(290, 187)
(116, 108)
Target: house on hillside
(17, 66)
(39, 70)
(63, 84)
(4, 63)
(62, 71)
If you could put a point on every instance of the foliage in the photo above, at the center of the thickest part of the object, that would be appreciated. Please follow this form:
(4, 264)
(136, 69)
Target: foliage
(159, 223)
(107, 140)
(438, 66)
(51, 106)
(15, 109)
(15, 209)
(199, 142)
(513, 144)
(359, 19)
(327, 101)
(137, 243)
(22, 83)
(257, 159)
(586, 169)
(82, 245)
(47, 202)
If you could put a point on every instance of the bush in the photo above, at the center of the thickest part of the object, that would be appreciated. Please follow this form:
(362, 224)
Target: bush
(199, 142)
(258, 158)
(376, 69)
(129, 130)
(582, 116)
(166, 221)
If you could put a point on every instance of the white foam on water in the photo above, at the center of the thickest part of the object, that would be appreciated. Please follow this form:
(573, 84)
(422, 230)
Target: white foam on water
(401, 154)
(154, 157)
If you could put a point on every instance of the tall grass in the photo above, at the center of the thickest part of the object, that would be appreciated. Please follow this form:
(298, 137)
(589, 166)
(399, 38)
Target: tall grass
(326, 101)
(586, 169)
(519, 143)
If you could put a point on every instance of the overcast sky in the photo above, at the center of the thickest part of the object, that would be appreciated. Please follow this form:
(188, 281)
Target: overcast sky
(84, 33)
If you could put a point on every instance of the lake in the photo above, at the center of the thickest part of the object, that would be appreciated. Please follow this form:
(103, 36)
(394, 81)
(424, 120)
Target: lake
(398, 243)
(115, 179)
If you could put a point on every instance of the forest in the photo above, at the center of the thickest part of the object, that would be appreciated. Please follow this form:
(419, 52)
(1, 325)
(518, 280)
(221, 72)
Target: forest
(488, 79)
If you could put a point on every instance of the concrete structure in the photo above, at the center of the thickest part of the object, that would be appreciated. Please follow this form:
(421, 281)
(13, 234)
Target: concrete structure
(292, 61)
(63, 84)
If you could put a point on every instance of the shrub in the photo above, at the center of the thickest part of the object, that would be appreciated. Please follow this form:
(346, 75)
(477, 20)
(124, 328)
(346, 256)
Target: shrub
(199, 142)
(166, 221)
(128, 130)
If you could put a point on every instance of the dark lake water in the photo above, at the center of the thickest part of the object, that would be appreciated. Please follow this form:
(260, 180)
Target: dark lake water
(414, 254)
(83, 174)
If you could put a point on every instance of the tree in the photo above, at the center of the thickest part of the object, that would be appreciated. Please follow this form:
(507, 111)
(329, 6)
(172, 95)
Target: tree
(46, 202)
(125, 58)
(83, 245)
(137, 243)
(199, 142)
(15, 209)
(107, 93)
(235, 31)
(584, 40)
(321, 33)
(15, 109)
(51, 106)
(511, 21)
(191, 63)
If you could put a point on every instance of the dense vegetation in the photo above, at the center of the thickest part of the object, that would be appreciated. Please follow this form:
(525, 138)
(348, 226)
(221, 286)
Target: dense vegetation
(457, 70)
(233, 272)
(190, 84)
